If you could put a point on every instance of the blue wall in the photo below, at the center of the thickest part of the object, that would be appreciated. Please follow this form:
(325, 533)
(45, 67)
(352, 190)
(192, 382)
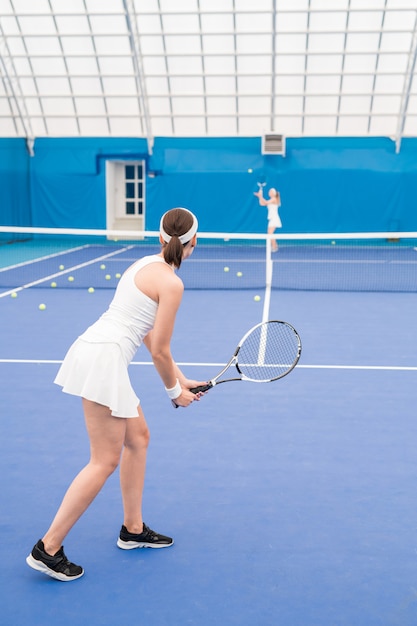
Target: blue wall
(326, 184)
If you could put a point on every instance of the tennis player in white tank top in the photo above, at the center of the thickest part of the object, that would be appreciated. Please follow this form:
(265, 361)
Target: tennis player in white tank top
(95, 368)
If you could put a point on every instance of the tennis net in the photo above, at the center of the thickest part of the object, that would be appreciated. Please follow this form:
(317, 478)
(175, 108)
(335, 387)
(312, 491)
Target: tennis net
(76, 258)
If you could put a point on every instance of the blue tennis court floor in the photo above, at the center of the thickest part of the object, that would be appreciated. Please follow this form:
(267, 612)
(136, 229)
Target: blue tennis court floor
(291, 503)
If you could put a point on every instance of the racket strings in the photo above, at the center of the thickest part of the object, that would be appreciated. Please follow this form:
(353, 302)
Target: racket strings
(269, 352)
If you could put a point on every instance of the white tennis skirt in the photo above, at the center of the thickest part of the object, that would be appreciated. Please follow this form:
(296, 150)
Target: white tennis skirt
(275, 222)
(98, 372)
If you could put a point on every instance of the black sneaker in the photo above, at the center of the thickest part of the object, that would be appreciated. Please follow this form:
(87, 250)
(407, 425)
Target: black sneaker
(56, 566)
(146, 539)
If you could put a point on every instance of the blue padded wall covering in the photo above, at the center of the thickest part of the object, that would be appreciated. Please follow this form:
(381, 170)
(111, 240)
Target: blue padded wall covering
(326, 184)
(14, 183)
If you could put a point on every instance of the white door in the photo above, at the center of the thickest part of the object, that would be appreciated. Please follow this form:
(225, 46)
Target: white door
(125, 195)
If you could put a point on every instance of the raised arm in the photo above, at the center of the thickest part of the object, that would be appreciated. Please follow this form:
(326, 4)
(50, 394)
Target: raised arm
(260, 197)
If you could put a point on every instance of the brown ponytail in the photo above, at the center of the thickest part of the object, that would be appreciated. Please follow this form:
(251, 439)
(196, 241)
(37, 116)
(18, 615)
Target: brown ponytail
(176, 223)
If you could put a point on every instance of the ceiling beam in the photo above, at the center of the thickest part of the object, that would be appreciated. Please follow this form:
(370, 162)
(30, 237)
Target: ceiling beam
(134, 41)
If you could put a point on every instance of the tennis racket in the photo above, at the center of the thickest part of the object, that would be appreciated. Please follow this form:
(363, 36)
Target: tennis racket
(269, 351)
(262, 181)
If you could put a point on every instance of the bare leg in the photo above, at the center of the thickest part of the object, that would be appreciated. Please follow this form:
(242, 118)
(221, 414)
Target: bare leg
(132, 471)
(274, 245)
(107, 435)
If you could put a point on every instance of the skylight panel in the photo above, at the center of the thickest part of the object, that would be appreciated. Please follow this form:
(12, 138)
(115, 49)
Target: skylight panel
(187, 85)
(174, 24)
(77, 46)
(90, 106)
(105, 24)
(249, 64)
(253, 44)
(254, 106)
(72, 25)
(217, 23)
(254, 85)
(330, 22)
(221, 106)
(185, 65)
(321, 104)
(183, 44)
(254, 22)
(218, 44)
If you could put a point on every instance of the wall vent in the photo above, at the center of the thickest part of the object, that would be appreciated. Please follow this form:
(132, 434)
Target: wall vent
(273, 144)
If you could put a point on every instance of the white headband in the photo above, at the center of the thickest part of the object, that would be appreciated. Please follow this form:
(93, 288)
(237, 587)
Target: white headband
(186, 237)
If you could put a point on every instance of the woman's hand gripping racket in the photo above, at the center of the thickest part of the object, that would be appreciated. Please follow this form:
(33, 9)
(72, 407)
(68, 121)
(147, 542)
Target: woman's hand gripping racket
(268, 351)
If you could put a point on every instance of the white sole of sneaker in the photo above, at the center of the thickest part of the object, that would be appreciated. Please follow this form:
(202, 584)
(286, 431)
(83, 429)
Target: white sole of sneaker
(131, 545)
(41, 567)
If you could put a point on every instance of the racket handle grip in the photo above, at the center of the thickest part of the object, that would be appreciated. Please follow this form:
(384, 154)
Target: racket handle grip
(194, 390)
(202, 388)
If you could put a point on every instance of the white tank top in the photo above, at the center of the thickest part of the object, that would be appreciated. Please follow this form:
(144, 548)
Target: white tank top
(130, 316)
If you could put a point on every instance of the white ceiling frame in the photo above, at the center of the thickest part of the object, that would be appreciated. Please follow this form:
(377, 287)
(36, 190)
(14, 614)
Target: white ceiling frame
(14, 93)
(138, 70)
(407, 88)
(282, 58)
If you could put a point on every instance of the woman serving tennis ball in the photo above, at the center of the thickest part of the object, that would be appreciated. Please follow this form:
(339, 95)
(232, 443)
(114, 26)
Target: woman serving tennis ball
(273, 204)
(95, 368)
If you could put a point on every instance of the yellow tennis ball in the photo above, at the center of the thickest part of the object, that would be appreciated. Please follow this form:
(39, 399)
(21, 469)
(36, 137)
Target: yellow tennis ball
(226, 269)
(61, 267)
(333, 243)
(118, 275)
(42, 307)
(13, 294)
(91, 290)
(107, 277)
(102, 266)
(71, 278)
(250, 170)
(239, 274)
(257, 298)
(53, 284)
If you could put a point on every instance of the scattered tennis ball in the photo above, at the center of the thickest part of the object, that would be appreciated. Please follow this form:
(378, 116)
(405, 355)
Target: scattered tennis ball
(239, 274)
(53, 284)
(71, 279)
(13, 294)
(257, 298)
(333, 243)
(42, 307)
(107, 277)
(118, 275)
(62, 267)
(102, 266)
(226, 269)
(91, 290)
(250, 171)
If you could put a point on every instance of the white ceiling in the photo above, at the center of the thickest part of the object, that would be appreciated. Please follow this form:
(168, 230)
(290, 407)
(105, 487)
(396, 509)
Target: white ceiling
(208, 68)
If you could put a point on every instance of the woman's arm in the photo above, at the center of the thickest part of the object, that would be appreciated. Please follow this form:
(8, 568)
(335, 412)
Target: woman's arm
(158, 341)
(260, 197)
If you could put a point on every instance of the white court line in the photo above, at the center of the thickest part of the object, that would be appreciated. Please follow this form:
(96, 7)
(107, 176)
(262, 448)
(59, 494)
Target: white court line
(70, 269)
(43, 258)
(400, 368)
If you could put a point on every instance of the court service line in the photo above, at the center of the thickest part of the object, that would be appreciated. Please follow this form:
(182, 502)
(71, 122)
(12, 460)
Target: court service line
(61, 273)
(400, 368)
